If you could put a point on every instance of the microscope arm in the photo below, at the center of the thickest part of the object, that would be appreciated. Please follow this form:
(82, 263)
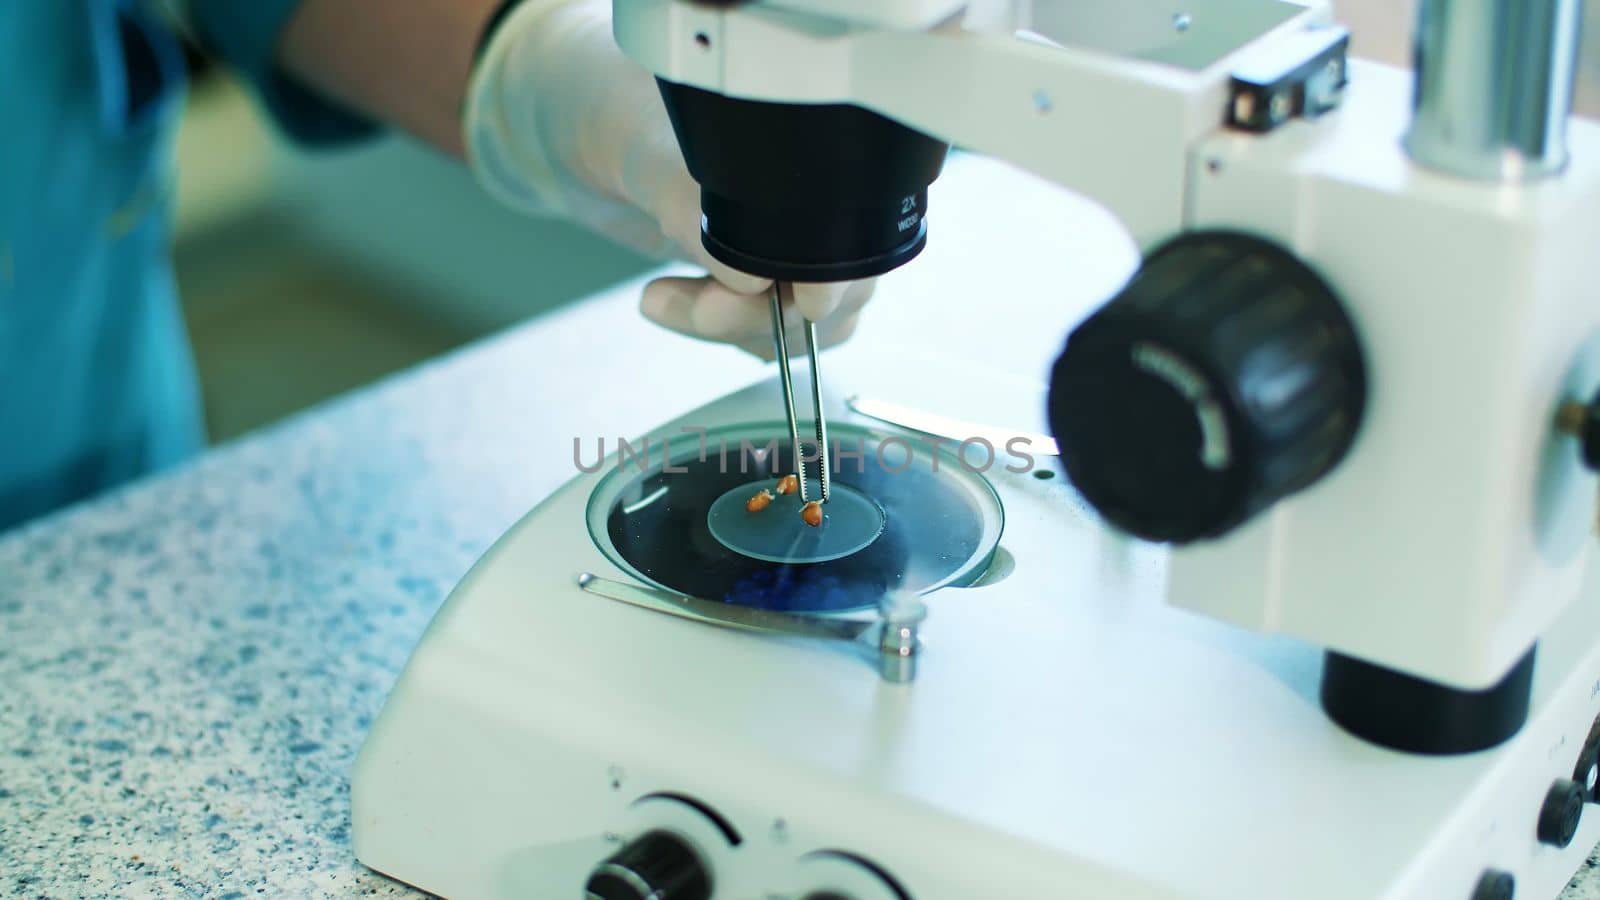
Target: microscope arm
(1117, 129)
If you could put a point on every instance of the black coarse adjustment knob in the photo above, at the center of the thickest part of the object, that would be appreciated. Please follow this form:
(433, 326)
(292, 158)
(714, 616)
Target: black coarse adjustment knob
(656, 866)
(1559, 815)
(1224, 377)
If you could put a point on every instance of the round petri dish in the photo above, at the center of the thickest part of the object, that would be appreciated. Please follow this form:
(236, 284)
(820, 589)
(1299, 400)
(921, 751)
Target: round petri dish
(941, 521)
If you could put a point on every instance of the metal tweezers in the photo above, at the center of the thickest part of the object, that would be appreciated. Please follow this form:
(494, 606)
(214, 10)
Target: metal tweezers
(781, 342)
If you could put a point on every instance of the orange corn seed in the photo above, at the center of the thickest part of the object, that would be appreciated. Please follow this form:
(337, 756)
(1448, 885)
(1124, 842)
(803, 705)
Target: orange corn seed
(812, 513)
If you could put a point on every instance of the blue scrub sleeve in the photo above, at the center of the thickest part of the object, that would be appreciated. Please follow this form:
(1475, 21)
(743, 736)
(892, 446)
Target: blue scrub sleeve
(245, 34)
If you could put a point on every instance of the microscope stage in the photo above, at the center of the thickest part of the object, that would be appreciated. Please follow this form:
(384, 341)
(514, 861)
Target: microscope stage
(919, 523)
(1067, 735)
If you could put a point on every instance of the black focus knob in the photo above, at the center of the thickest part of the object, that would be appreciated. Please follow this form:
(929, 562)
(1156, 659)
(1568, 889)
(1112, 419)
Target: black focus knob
(1224, 377)
(657, 866)
(1560, 812)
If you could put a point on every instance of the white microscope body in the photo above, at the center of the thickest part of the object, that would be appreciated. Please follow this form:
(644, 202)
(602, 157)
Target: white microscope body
(1472, 295)
(1453, 218)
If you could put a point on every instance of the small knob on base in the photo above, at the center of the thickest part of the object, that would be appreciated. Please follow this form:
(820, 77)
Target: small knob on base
(656, 866)
(1582, 421)
(1495, 885)
(1558, 817)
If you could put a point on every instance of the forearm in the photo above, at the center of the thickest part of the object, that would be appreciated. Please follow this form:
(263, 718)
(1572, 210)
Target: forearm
(403, 63)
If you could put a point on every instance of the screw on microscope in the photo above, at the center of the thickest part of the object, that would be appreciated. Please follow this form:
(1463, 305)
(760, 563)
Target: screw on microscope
(899, 644)
(1280, 107)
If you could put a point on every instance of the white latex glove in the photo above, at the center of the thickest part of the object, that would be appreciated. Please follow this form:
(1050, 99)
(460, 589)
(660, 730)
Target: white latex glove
(559, 121)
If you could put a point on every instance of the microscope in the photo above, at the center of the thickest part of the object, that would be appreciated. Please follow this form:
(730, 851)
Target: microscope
(1272, 324)
(1348, 397)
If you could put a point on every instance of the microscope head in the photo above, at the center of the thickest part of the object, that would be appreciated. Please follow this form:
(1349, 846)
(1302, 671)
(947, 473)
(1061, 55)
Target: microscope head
(797, 184)
(804, 192)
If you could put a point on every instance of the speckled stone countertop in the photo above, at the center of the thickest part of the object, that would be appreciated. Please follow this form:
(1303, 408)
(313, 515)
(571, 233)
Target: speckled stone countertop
(189, 665)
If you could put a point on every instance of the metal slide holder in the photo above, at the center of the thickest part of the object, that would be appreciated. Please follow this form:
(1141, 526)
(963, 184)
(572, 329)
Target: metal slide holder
(890, 641)
(1494, 87)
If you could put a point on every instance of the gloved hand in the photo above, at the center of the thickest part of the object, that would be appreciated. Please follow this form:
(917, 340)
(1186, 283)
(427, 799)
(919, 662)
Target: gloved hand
(559, 121)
